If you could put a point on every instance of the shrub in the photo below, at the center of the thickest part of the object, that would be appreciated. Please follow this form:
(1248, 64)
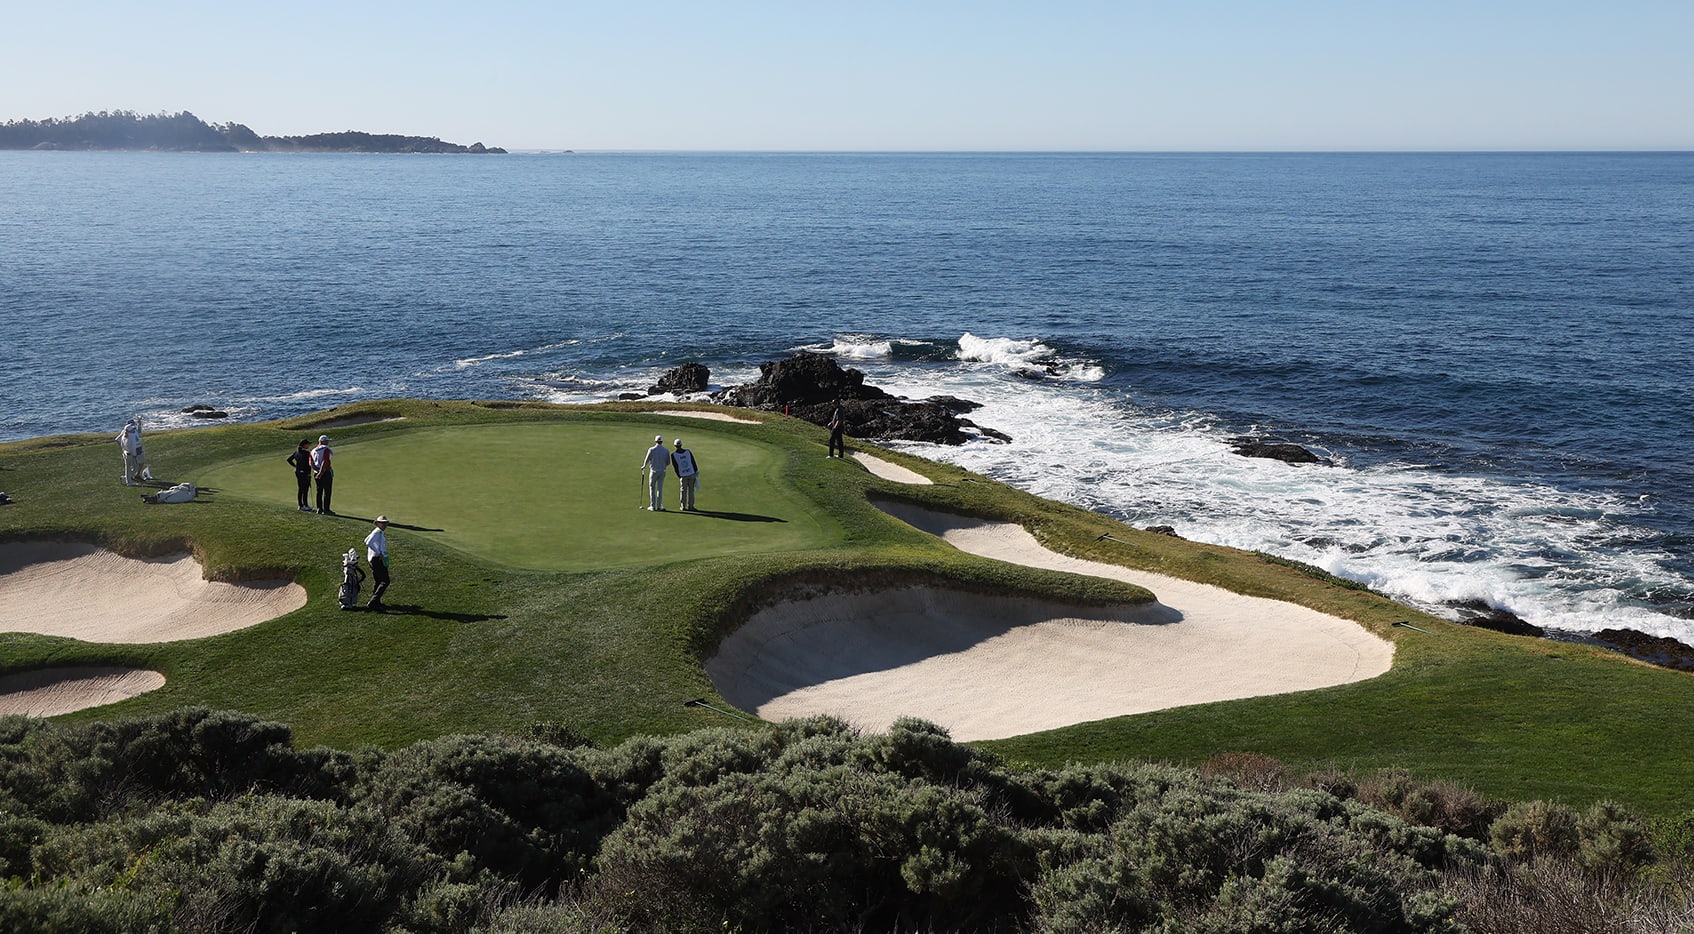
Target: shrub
(1535, 830)
(259, 863)
(819, 844)
(520, 809)
(1444, 805)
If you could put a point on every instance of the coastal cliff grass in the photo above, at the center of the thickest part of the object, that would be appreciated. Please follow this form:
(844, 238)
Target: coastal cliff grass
(491, 634)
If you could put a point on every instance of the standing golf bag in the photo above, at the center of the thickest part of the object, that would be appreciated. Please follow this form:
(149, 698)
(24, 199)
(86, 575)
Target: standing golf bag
(351, 577)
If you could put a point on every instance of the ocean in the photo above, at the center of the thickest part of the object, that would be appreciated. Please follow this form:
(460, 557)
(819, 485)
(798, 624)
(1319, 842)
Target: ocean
(1492, 351)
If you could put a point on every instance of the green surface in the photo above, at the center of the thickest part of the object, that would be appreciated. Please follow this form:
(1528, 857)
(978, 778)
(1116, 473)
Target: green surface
(507, 611)
(562, 496)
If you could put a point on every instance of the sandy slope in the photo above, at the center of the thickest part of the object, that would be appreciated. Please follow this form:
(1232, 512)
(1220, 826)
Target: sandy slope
(992, 667)
(83, 592)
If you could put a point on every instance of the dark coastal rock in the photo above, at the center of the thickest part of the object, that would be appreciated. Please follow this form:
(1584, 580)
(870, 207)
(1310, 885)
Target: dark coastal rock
(1274, 450)
(1656, 650)
(804, 379)
(204, 411)
(681, 380)
(954, 404)
(1485, 616)
(1162, 530)
(630, 396)
(808, 385)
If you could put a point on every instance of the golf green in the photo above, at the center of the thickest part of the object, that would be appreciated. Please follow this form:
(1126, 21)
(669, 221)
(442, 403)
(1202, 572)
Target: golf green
(553, 496)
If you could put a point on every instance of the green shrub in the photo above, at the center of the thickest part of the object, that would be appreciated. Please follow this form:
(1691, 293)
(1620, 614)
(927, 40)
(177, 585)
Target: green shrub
(819, 844)
(259, 863)
(1224, 860)
(1445, 805)
(83, 772)
(81, 909)
(523, 810)
(1535, 830)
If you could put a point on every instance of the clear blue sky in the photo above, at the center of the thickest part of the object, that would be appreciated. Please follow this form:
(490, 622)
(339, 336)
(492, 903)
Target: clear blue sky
(869, 74)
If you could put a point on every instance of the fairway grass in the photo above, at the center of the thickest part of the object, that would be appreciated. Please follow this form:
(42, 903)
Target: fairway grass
(530, 588)
(555, 496)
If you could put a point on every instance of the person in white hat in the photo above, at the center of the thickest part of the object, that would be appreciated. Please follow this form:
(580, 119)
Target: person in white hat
(376, 552)
(687, 472)
(135, 462)
(324, 472)
(658, 460)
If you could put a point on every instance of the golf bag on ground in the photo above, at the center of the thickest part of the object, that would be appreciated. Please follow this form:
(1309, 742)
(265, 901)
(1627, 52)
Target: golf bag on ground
(181, 493)
(351, 577)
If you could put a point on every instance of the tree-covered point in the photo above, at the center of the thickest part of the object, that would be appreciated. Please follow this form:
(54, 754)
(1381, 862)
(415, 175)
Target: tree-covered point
(184, 132)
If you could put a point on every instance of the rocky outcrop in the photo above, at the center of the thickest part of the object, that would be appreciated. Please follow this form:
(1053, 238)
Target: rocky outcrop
(1657, 650)
(805, 379)
(1486, 616)
(1275, 450)
(204, 411)
(809, 385)
(681, 380)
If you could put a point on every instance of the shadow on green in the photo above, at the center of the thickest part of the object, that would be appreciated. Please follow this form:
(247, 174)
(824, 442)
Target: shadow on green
(553, 496)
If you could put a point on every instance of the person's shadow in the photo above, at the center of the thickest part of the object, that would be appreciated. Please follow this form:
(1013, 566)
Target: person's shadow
(412, 609)
(391, 523)
(730, 516)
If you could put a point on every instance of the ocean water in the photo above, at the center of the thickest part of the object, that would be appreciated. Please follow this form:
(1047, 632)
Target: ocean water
(1494, 351)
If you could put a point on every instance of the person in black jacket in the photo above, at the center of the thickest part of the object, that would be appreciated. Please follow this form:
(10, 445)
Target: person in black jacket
(301, 460)
(837, 426)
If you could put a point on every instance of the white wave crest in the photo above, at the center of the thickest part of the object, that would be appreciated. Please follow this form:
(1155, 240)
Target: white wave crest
(1002, 350)
(861, 347)
(1425, 537)
(473, 361)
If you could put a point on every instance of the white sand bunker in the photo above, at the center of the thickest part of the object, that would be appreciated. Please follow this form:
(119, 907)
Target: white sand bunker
(48, 692)
(714, 416)
(80, 591)
(888, 470)
(991, 668)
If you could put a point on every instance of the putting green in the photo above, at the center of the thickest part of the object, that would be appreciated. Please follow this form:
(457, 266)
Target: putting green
(551, 496)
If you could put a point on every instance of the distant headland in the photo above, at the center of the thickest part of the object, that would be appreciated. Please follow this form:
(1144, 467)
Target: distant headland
(184, 132)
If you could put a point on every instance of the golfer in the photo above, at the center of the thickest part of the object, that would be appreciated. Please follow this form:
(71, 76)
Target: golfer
(301, 461)
(658, 460)
(376, 551)
(837, 426)
(688, 472)
(135, 463)
(324, 471)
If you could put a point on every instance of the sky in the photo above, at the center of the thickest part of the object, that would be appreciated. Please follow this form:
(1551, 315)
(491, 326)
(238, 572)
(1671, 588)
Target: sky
(846, 75)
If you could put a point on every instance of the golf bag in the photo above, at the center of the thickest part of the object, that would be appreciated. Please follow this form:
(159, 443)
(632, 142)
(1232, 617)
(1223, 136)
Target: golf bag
(351, 577)
(181, 493)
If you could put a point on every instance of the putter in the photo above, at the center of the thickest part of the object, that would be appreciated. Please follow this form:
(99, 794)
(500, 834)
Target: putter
(643, 503)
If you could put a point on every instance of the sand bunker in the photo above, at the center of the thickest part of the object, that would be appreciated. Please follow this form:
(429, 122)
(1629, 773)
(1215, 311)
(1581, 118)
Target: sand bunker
(48, 692)
(991, 668)
(80, 591)
(714, 416)
(888, 470)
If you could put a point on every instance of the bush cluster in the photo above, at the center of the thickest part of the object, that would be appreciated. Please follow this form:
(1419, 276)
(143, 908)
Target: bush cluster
(207, 821)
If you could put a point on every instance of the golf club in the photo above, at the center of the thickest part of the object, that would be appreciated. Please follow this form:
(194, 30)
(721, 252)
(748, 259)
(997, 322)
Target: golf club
(643, 503)
(701, 702)
(1410, 626)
